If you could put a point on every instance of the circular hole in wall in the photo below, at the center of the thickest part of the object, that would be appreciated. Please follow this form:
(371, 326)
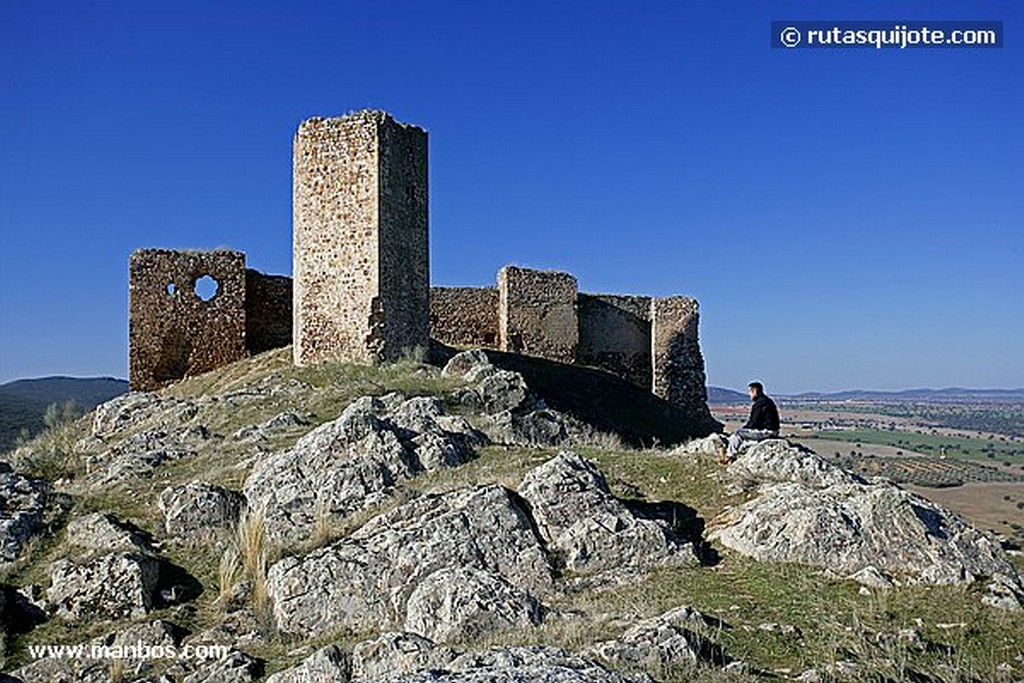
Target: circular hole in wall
(206, 287)
(172, 289)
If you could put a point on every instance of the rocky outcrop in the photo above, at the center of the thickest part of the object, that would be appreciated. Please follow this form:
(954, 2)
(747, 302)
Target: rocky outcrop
(326, 664)
(104, 532)
(133, 410)
(589, 529)
(366, 580)
(663, 643)
(812, 512)
(463, 604)
(108, 586)
(22, 503)
(396, 653)
(355, 462)
(140, 454)
(147, 638)
(537, 664)
(199, 507)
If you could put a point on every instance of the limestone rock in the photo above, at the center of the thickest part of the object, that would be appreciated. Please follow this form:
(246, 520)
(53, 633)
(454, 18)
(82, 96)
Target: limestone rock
(365, 580)
(465, 364)
(352, 463)
(876, 533)
(144, 638)
(279, 424)
(199, 507)
(133, 409)
(22, 502)
(140, 454)
(325, 665)
(713, 444)
(397, 653)
(537, 664)
(779, 460)
(109, 586)
(670, 640)
(103, 531)
(236, 667)
(540, 428)
(495, 390)
(588, 527)
(460, 603)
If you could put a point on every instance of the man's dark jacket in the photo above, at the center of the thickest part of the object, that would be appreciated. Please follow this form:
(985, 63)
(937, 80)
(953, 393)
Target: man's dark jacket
(763, 414)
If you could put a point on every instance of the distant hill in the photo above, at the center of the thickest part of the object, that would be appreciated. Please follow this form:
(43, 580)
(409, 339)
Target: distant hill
(718, 395)
(23, 402)
(952, 394)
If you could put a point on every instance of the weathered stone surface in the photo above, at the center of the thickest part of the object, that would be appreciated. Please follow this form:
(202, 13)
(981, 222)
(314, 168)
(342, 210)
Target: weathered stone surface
(537, 664)
(461, 603)
(713, 444)
(236, 667)
(780, 460)
(135, 408)
(199, 507)
(133, 647)
(876, 532)
(395, 653)
(538, 428)
(662, 643)
(103, 531)
(464, 316)
(22, 502)
(361, 256)
(678, 365)
(590, 529)
(139, 455)
(353, 462)
(615, 335)
(495, 390)
(109, 586)
(537, 313)
(365, 581)
(324, 666)
(172, 331)
(279, 424)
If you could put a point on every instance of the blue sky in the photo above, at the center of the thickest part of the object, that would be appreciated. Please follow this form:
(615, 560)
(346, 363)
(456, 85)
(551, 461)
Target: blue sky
(846, 218)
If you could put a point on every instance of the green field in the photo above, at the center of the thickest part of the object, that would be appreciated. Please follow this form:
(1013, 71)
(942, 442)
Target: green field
(995, 449)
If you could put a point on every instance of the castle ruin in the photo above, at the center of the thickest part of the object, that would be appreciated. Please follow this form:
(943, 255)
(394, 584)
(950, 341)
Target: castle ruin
(361, 285)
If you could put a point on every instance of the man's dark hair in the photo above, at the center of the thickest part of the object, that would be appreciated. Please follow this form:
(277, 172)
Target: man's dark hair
(757, 386)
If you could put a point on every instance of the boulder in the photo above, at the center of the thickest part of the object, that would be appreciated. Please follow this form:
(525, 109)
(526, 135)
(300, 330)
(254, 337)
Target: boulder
(130, 411)
(199, 507)
(140, 454)
(536, 663)
(111, 586)
(136, 647)
(22, 503)
(104, 532)
(366, 580)
(397, 653)
(661, 644)
(713, 444)
(812, 512)
(535, 428)
(589, 528)
(326, 664)
(236, 667)
(352, 463)
(463, 604)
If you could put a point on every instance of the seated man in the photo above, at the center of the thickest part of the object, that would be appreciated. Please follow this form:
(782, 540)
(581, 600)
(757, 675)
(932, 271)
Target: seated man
(763, 422)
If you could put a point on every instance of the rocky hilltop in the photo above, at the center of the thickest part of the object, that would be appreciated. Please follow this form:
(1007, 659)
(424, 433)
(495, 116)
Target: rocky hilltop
(471, 522)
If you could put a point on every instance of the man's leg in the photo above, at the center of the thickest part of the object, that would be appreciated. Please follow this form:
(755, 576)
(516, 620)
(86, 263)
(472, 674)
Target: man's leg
(741, 435)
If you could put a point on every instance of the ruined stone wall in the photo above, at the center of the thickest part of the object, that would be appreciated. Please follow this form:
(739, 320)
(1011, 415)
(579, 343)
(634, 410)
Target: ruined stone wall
(678, 366)
(464, 316)
(268, 311)
(537, 313)
(172, 332)
(360, 260)
(615, 335)
(404, 271)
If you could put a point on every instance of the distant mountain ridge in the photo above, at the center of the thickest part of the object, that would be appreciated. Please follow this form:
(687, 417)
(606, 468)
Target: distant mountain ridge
(948, 394)
(23, 402)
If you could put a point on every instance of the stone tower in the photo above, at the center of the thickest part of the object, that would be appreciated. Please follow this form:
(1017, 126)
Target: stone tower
(360, 260)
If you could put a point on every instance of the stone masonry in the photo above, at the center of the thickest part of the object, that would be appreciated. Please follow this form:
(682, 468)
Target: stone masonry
(361, 290)
(464, 316)
(172, 331)
(615, 335)
(537, 313)
(360, 258)
(678, 365)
